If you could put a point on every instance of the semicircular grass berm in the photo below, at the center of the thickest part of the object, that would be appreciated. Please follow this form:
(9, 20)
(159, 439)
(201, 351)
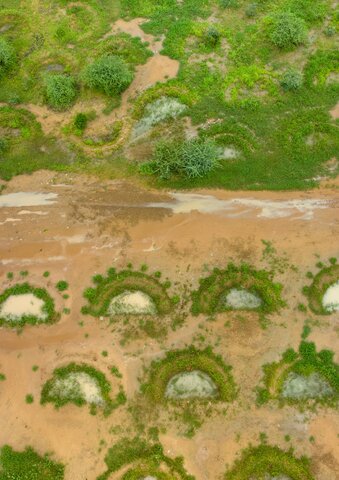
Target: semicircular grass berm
(305, 377)
(269, 462)
(81, 384)
(146, 460)
(126, 282)
(216, 290)
(220, 386)
(325, 279)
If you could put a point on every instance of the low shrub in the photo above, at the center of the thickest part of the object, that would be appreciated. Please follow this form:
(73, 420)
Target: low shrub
(60, 91)
(292, 79)
(80, 121)
(190, 158)
(108, 74)
(286, 30)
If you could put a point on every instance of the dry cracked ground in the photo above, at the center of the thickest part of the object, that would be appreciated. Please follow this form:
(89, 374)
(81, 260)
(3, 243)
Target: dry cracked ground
(76, 226)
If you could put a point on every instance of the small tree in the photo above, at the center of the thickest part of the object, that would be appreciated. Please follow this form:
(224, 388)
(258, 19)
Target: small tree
(60, 91)
(109, 74)
(287, 30)
(7, 56)
(292, 79)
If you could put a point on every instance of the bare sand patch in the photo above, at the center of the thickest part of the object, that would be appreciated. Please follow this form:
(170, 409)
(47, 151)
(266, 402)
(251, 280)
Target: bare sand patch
(136, 302)
(195, 384)
(240, 298)
(78, 385)
(331, 298)
(302, 387)
(335, 112)
(24, 305)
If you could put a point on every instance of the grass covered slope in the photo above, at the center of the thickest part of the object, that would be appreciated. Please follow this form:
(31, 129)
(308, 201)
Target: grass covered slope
(265, 461)
(127, 292)
(28, 465)
(327, 277)
(259, 78)
(146, 460)
(242, 288)
(190, 360)
(305, 378)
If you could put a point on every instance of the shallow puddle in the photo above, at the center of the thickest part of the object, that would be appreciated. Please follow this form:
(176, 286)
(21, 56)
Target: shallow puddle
(27, 199)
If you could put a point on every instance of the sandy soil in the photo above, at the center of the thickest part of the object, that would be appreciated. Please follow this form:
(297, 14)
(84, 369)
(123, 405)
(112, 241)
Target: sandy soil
(93, 225)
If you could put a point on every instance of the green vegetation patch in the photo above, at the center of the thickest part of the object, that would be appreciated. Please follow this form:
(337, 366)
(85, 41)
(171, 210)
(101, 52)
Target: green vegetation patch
(24, 304)
(217, 292)
(304, 377)
(148, 460)
(81, 384)
(28, 465)
(265, 461)
(160, 385)
(327, 277)
(118, 283)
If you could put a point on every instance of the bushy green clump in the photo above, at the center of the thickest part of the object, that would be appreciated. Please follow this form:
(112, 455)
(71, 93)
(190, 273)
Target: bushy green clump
(28, 465)
(3, 145)
(109, 74)
(287, 30)
(7, 56)
(251, 10)
(80, 121)
(190, 158)
(60, 91)
(292, 79)
(211, 36)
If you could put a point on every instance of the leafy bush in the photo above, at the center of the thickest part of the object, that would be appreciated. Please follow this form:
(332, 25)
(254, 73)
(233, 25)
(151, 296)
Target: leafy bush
(3, 145)
(60, 91)
(7, 56)
(292, 79)
(80, 121)
(287, 30)
(211, 36)
(251, 10)
(191, 158)
(109, 74)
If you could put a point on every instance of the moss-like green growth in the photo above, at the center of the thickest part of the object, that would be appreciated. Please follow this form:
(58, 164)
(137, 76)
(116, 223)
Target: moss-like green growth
(213, 290)
(190, 360)
(28, 465)
(48, 308)
(321, 282)
(258, 462)
(81, 384)
(117, 283)
(146, 459)
(304, 378)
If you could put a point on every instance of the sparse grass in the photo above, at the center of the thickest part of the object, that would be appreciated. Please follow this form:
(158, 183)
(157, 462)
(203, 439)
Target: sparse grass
(29, 398)
(256, 462)
(75, 395)
(28, 465)
(327, 276)
(179, 361)
(304, 363)
(145, 459)
(41, 293)
(209, 297)
(116, 283)
(2, 377)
